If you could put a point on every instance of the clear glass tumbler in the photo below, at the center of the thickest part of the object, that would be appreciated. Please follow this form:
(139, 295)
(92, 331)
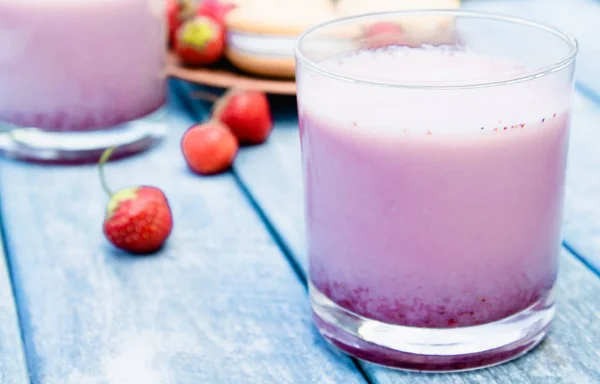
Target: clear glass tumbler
(434, 146)
(78, 76)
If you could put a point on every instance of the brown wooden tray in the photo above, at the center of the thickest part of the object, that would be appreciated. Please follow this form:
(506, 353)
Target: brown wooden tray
(225, 75)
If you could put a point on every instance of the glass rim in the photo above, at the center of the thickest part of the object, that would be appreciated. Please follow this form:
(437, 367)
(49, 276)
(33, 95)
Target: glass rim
(537, 73)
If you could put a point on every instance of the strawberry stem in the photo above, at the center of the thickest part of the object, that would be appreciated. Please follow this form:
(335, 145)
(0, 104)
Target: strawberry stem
(206, 96)
(103, 159)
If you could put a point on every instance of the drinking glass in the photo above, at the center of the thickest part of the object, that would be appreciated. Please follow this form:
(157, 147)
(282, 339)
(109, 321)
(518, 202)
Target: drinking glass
(79, 76)
(434, 146)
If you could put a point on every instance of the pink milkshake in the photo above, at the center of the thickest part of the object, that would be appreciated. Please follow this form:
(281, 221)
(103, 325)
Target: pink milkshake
(434, 181)
(80, 64)
(442, 220)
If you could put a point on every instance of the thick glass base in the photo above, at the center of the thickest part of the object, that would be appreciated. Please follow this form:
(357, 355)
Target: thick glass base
(33, 144)
(432, 349)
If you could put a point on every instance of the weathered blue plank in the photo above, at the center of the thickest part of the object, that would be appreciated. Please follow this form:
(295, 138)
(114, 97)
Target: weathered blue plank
(220, 304)
(588, 73)
(272, 175)
(13, 368)
(287, 185)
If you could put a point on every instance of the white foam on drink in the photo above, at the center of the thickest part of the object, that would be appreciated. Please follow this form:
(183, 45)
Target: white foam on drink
(395, 108)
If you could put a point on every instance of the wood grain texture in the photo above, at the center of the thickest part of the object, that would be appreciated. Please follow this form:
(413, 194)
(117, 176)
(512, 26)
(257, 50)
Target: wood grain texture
(220, 304)
(278, 160)
(272, 174)
(13, 368)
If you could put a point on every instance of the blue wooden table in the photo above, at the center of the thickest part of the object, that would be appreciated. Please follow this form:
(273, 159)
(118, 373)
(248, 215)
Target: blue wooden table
(226, 300)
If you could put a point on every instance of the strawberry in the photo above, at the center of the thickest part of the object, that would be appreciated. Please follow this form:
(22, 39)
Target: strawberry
(209, 148)
(177, 12)
(247, 114)
(215, 9)
(384, 33)
(200, 41)
(138, 219)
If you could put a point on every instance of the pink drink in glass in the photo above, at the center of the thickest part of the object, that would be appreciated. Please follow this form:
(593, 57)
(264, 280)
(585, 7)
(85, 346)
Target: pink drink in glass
(70, 65)
(423, 226)
(434, 181)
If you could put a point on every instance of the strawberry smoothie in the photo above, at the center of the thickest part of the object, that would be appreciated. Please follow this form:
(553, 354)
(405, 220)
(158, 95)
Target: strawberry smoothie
(435, 208)
(80, 64)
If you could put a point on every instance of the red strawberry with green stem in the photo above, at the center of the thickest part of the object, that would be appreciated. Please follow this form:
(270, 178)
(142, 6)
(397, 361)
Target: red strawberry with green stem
(138, 219)
(216, 10)
(178, 11)
(200, 41)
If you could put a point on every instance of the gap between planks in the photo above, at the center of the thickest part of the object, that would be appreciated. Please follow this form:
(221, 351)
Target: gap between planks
(275, 235)
(27, 349)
